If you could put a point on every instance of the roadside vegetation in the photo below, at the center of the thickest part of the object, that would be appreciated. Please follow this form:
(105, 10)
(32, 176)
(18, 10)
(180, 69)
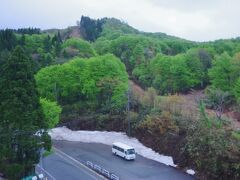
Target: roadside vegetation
(182, 98)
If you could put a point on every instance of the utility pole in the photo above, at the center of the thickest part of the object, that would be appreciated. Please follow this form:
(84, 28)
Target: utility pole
(128, 111)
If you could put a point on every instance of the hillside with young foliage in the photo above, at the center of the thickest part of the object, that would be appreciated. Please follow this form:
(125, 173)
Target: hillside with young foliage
(182, 98)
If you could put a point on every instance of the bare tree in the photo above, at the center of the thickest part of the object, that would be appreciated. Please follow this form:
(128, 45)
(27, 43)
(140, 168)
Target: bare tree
(218, 100)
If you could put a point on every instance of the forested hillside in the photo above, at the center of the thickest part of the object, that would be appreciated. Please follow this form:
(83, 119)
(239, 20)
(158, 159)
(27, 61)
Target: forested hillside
(182, 98)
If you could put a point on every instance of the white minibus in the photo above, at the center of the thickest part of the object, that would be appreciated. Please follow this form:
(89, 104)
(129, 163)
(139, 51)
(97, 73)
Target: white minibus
(123, 150)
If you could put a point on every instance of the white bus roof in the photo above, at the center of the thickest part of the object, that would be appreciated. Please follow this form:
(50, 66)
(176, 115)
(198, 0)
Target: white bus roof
(124, 146)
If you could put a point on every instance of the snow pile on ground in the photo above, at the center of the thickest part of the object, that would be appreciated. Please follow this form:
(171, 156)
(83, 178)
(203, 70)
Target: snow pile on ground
(63, 133)
(190, 171)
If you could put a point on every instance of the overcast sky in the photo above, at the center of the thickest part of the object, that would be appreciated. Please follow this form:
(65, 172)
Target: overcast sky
(199, 20)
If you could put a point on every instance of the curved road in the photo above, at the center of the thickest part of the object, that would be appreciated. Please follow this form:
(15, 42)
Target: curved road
(58, 166)
(140, 168)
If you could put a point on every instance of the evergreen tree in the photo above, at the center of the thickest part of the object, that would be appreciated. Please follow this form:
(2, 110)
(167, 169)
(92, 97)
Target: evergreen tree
(4, 54)
(47, 44)
(91, 28)
(58, 48)
(137, 57)
(21, 117)
(57, 42)
(22, 41)
(8, 39)
(59, 37)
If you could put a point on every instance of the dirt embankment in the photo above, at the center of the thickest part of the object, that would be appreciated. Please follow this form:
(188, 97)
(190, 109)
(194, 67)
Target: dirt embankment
(97, 122)
(70, 32)
(233, 116)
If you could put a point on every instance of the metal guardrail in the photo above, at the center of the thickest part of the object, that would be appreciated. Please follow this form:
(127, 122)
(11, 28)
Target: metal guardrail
(102, 171)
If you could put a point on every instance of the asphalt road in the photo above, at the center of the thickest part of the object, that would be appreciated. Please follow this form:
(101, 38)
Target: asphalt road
(59, 166)
(140, 168)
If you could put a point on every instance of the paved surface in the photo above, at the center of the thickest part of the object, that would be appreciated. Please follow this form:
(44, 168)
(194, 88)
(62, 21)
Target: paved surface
(139, 169)
(59, 166)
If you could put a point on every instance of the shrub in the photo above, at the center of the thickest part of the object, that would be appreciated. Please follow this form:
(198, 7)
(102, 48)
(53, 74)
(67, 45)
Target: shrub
(177, 106)
(158, 124)
(212, 150)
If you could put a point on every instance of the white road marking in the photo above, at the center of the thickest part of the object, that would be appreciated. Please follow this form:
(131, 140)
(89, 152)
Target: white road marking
(62, 154)
(51, 176)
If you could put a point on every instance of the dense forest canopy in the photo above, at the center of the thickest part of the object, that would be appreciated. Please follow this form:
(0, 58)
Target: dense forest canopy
(103, 73)
(98, 83)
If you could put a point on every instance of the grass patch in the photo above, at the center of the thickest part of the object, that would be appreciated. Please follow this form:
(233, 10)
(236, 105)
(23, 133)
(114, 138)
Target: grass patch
(47, 153)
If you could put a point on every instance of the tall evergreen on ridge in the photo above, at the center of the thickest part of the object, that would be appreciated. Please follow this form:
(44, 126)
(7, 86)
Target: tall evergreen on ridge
(47, 44)
(21, 117)
(57, 41)
(91, 28)
(8, 40)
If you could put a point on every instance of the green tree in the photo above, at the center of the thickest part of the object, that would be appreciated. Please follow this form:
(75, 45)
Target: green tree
(57, 49)
(51, 111)
(91, 28)
(235, 73)
(47, 44)
(225, 72)
(8, 39)
(142, 75)
(237, 90)
(137, 57)
(212, 149)
(22, 40)
(78, 47)
(171, 74)
(33, 42)
(22, 122)
(100, 82)
(220, 73)
(47, 59)
(59, 37)
(57, 42)
(102, 46)
(199, 61)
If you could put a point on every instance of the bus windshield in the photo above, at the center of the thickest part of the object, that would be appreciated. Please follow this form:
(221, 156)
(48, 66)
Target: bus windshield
(130, 151)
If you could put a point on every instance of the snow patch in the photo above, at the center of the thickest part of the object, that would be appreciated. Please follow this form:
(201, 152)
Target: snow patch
(104, 137)
(190, 171)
